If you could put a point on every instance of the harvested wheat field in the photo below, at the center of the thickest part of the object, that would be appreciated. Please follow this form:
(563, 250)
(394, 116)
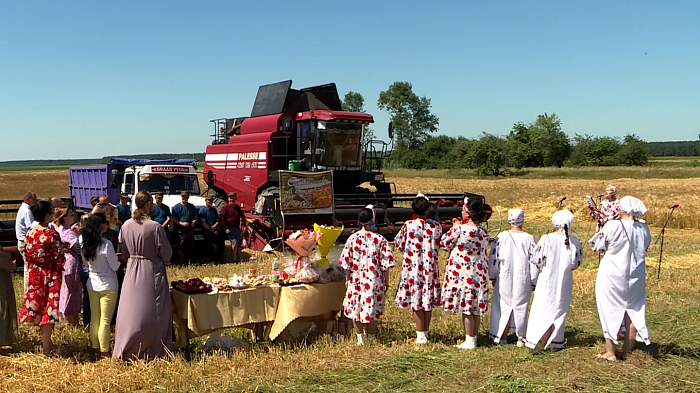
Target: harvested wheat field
(334, 363)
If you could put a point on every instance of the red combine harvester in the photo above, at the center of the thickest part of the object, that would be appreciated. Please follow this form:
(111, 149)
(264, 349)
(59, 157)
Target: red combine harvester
(306, 130)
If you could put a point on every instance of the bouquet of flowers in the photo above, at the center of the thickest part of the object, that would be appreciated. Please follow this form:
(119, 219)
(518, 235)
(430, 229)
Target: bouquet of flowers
(303, 241)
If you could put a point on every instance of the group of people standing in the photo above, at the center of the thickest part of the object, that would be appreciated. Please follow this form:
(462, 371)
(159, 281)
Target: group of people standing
(54, 248)
(516, 266)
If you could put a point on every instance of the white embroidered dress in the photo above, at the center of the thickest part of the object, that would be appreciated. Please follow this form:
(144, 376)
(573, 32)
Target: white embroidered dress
(513, 276)
(621, 286)
(419, 287)
(552, 299)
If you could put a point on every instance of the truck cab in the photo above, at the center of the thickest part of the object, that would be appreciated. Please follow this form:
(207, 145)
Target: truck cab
(171, 180)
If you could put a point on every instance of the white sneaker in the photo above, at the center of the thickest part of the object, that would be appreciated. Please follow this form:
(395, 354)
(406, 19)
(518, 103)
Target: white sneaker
(465, 345)
(422, 340)
(521, 343)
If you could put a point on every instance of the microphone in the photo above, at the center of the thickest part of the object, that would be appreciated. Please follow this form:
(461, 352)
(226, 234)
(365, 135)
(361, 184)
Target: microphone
(601, 195)
(675, 205)
(562, 200)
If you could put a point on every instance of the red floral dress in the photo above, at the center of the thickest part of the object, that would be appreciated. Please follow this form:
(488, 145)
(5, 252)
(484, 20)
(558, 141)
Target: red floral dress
(607, 210)
(45, 260)
(419, 287)
(366, 255)
(465, 289)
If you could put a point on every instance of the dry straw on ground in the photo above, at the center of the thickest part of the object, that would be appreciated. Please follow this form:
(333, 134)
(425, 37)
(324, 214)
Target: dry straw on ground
(335, 364)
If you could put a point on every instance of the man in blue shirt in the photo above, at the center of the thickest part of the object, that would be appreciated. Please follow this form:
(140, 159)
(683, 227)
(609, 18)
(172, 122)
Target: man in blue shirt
(185, 217)
(209, 218)
(161, 213)
(123, 209)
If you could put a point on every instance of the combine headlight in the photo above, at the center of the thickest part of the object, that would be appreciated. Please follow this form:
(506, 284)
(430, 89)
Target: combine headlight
(379, 177)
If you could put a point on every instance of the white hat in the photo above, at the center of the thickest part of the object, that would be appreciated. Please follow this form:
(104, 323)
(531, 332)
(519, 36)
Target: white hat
(632, 206)
(563, 217)
(420, 195)
(516, 217)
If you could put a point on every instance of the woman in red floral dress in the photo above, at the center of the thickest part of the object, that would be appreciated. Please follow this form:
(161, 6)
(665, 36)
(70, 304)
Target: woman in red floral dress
(465, 288)
(366, 259)
(45, 261)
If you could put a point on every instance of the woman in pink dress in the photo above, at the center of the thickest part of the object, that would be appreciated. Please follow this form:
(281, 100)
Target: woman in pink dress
(419, 287)
(366, 259)
(45, 260)
(71, 287)
(465, 288)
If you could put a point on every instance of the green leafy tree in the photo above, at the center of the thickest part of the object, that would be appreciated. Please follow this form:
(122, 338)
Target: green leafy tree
(548, 138)
(410, 115)
(519, 152)
(595, 151)
(354, 102)
(633, 151)
(487, 155)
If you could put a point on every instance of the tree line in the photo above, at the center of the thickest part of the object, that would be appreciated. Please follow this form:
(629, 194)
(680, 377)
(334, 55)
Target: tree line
(541, 143)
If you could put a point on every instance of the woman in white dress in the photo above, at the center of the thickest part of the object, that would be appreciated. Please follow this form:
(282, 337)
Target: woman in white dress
(513, 278)
(620, 286)
(557, 255)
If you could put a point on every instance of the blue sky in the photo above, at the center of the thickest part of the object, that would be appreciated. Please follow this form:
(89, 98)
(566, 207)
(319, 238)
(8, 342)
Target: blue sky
(89, 79)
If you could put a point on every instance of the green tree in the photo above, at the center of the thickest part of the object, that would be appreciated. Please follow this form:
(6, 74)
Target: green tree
(354, 102)
(541, 143)
(595, 151)
(548, 138)
(633, 151)
(519, 152)
(487, 155)
(410, 115)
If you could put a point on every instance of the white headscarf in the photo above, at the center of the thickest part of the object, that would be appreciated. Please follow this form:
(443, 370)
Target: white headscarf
(516, 217)
(633, 206)
(420, 195)
(466, 202)
(374, 212)
(561, 218)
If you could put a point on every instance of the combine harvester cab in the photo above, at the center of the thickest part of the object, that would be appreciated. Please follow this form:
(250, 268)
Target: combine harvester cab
(307, 132)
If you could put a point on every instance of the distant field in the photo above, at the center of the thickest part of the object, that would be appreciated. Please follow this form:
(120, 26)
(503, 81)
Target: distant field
(33, 169)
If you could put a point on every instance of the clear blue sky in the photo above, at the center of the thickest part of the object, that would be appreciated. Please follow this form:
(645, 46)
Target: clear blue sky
(89, 79)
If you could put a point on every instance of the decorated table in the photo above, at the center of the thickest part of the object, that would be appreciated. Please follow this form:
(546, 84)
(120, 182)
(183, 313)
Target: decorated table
(207, 312)
(255, 308)
(307, 300)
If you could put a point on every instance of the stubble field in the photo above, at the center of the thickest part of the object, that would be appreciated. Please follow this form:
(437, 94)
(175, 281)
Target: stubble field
(331, 363)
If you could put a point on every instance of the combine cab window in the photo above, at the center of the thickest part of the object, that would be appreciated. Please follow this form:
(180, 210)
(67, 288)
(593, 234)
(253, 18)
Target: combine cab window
(169, 184)
(339, 145)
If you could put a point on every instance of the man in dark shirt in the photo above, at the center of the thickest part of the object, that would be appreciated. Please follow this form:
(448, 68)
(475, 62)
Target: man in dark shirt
(209, 218)
(185, 217)
(161, 213)
(123, 210)
(233, 219)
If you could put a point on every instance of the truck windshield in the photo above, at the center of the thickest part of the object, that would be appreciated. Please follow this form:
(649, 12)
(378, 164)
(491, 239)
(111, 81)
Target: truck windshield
(339, 145)
(169, 184)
